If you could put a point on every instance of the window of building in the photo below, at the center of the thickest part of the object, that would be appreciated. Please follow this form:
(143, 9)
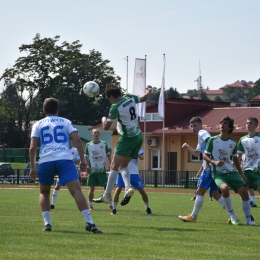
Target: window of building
(156, 159)
(151, 117)
(196, 159)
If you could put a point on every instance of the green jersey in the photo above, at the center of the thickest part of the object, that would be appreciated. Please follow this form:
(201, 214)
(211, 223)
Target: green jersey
(124, 111)
(222, 150)
(250, 147)
(97, 156)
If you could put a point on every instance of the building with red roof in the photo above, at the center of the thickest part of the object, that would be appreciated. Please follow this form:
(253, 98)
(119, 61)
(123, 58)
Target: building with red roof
(163, 145)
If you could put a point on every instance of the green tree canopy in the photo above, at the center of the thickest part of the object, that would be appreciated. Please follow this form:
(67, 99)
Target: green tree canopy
(48, 69)
(255, 91)
(233, 94)
(203, 96)
(218, 99)
(154, 95)
(192, 92)
(172, 93)
(9, 133)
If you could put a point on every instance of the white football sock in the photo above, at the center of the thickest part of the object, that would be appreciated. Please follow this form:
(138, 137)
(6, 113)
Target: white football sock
(126, 178)
(114, 205)
(54, 196)
(197, 206)
(46, 217)
(111, 181)
(229, 206)
(222, 203)
(147, 204)
(246, 209)
(87, 216)
(253, 199)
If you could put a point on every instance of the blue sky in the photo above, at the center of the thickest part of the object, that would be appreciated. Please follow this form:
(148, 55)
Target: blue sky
(223, 35)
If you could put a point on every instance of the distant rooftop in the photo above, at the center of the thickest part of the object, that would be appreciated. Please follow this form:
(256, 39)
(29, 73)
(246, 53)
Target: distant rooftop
(240, 84)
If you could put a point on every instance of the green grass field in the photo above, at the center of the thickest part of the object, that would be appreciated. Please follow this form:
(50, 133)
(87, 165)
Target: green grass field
(131, 234)
(19, 165)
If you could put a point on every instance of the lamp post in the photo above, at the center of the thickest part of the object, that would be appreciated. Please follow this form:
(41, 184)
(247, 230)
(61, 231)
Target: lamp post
(126, 73)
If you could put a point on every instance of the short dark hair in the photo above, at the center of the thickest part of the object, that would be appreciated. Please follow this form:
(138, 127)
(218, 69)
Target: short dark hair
(231, 123)
(253, 119)
(196, 119)
(50, 106)
(113, 90)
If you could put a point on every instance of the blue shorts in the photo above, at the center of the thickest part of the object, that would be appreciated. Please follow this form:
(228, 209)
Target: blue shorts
(65, 169)
(135, 181)
(206, 181)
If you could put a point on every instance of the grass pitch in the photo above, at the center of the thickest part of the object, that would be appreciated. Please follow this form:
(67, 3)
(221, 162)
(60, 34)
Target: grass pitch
(130, 234)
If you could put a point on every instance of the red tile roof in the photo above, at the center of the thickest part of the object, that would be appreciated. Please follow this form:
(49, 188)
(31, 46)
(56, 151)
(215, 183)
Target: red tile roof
(214, 92)
(240, 84)
(179, 112)
(256, 98)
(211, 119)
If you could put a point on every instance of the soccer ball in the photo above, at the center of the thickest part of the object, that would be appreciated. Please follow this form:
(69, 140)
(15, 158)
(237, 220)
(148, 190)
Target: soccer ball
(91, 89)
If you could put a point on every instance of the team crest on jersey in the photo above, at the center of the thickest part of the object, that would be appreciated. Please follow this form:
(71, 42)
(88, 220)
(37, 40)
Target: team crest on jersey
(230, 146)
(101, 146)
(223, 155)
(249, 149)
(256, 141)
(252, 154)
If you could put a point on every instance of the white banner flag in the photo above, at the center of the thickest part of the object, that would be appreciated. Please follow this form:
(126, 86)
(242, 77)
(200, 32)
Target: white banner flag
(161, 98)
(140, 83)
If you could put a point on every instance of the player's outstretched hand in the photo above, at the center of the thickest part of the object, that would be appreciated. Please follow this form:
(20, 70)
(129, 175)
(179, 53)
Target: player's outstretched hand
(83, 166)
(149, 87)
(33, 174)
(185, 145)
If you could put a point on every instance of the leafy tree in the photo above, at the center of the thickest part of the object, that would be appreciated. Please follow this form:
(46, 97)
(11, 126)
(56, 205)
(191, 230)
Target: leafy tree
(51, 70)
(192, 93)
(154, 95)
(195, 93)
(218, 99)
(255, 91)
(9, 133)
(203, 96)
(172, 93)
(233, 94)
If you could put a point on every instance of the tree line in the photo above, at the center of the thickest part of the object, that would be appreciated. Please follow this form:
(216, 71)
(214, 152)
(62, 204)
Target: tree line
(49, 69)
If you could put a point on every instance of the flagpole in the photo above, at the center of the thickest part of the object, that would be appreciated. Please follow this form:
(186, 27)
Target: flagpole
(126, 73)
(163, 120)
(161, 113)
(144, 166)
(163, 126)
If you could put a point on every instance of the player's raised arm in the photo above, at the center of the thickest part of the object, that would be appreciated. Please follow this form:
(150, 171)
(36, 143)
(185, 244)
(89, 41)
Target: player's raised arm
(147, 93)
(106, 124)
(191, 150)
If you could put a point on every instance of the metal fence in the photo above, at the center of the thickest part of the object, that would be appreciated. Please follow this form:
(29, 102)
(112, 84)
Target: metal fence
(184, 179)
(151, 178)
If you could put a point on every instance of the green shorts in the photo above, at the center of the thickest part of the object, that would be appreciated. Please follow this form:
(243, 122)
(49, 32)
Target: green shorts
(97, 179)
(129, 146)
(232, 179)
(251, 178)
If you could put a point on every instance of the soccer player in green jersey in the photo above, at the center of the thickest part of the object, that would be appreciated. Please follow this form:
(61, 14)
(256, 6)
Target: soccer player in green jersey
(123, 110)
(219, 150)
(96, 153)
(249, 145)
